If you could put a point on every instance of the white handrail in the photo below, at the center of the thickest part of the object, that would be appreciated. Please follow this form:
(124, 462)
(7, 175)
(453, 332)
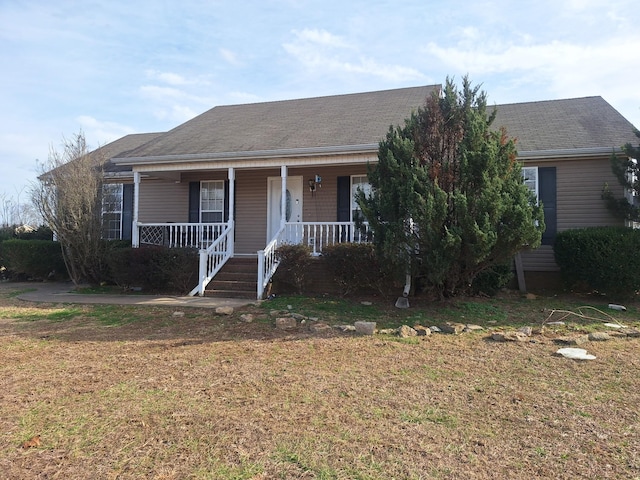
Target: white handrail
(268, 262)
(213, 258)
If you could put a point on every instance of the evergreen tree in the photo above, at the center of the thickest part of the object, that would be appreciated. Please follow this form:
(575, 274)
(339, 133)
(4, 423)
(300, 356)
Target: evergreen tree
(448, 197)
(627, 171)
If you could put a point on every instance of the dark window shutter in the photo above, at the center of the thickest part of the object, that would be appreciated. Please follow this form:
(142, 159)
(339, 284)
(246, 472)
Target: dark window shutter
(547, 193)
(344, 199)
(194, 202)
(127, 210)
(225, 215)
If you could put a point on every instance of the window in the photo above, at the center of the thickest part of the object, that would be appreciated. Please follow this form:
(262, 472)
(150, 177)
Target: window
(212, 201)
(358, 182)
(112, 211)
(530, 175)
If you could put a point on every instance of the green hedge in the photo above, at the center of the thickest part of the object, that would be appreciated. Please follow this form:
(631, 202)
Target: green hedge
(356, 268)
(294, 265)
(33, 259)
(604, 259)
(154, 269)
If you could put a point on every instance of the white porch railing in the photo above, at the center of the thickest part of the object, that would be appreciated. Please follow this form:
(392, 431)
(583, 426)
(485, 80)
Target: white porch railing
(175, 235)
(319, 235)
(213, 258)
(268, 262)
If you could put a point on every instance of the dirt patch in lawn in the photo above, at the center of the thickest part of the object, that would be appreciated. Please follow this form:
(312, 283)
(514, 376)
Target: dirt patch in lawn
(132, 392)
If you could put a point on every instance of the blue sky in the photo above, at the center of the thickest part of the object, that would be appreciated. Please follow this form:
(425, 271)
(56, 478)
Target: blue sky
(113, 67)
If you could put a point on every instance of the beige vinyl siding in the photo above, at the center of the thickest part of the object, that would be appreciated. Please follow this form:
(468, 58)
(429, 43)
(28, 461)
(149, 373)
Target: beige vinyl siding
(322, 205)
(163, 201)
(251, 210)
(579, 185)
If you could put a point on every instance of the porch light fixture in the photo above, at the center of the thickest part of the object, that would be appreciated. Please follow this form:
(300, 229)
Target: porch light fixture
(315, 182)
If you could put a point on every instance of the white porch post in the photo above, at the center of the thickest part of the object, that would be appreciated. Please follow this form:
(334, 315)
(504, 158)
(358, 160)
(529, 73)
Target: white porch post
(135, 233)
(231, 220)
(283, 202)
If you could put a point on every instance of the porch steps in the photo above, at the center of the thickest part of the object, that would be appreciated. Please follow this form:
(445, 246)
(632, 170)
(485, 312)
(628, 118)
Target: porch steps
(237, 279)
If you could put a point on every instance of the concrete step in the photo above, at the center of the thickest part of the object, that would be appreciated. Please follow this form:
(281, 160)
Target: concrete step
(230, 294)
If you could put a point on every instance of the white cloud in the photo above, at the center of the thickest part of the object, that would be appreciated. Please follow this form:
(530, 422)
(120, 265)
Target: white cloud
(176, 79)
(230, 57)
(556, 68)
(98, 133)
(321, 51)
(320, 37)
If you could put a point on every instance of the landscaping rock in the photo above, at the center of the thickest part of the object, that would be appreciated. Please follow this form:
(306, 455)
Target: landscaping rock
(365, 328)
(388, 331)
(528, 331)
(366, 304)
(405, 331)
(422, 331)
(319, 327)
(472, 328)
(247, 317)
(177, 314)
(345, 328)
(224, 310)
(575, 354)
(599, 336)
(630, 332)
(509, 337)
(573, 340)
(286, 323)
(454, 328)
(435, 329)
(298, 316)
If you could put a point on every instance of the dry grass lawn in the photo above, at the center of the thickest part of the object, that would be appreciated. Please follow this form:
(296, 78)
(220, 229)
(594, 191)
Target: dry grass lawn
(130, 392)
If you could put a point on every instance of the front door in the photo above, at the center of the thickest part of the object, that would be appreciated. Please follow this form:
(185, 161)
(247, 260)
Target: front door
(294, 203)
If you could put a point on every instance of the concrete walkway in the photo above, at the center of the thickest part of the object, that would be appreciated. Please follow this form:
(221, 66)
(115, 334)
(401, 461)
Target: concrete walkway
(55, 292)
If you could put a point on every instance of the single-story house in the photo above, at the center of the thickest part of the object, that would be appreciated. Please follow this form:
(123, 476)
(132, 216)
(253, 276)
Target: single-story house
(238, 180)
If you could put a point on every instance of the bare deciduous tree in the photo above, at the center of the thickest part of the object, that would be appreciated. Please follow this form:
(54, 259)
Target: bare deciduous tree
(68, 197)
(13, 212)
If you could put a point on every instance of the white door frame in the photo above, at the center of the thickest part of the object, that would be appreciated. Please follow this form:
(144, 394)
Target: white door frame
(275, 186)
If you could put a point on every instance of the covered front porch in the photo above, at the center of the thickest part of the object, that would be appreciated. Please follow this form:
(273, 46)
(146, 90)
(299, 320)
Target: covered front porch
(259, 211)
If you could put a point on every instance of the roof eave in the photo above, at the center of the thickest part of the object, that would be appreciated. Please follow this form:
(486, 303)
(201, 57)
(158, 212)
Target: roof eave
(249, 155)
(567, 153)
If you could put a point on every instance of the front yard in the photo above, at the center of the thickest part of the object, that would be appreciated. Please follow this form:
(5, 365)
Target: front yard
(132, 392)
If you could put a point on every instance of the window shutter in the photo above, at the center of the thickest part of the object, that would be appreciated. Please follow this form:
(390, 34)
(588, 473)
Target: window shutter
(225, 215)
(547, 194)
(194, 202)
(127, 210)
(344, 199)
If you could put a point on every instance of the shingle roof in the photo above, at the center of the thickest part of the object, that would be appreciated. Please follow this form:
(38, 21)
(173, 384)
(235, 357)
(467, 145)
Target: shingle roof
(576, 123)
(121, 147)
(364, 118)
(339, 120)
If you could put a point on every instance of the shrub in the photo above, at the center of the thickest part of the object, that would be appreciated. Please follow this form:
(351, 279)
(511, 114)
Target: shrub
(157, 269)
(36, 259)
(601, 258)
(294, 264)
(355, 267)
(490, 281)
